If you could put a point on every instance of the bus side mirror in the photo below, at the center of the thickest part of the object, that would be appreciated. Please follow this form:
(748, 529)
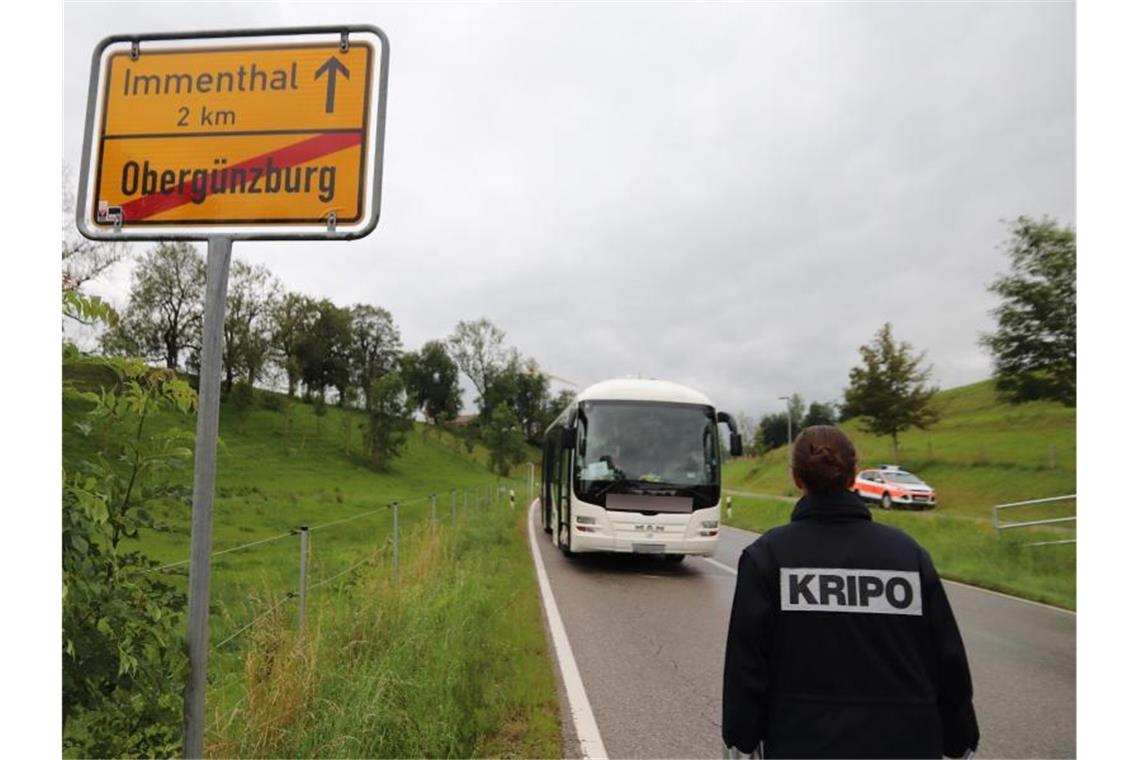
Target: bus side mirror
(569, 437)
(735, 445)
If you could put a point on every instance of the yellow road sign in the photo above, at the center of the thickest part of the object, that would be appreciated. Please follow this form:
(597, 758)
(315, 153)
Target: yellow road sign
(255, 135)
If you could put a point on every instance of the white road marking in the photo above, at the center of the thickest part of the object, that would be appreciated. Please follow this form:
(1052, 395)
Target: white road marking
(589, 739)
(1010, 596)
(721, 565)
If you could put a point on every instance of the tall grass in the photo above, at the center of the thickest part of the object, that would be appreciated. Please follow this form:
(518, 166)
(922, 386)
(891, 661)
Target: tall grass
(448, 661)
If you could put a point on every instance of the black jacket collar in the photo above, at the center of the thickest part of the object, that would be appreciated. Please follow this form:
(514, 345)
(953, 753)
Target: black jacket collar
(840, 506)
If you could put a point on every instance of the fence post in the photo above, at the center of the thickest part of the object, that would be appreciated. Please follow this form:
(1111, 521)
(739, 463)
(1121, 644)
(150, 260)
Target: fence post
(302, 601)
(433, 513)
(396, 539)
(512, 498)
(730, 507)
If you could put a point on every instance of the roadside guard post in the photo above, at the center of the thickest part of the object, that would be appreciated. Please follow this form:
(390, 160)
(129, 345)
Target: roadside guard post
(252, 134)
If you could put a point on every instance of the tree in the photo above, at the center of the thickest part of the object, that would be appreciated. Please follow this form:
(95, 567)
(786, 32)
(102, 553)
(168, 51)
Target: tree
(796, 407)
(389, 419)
(250, 299)
(292, 317)
(523, 388)
(432, 379)
(477, 347)
(531, 400)
(554, 406)
(163, 318)
(772, 432)
(83, 260)
(755, 445)
(1035, 346)
(819, 414)
(747, 427)
(503, 436)
(374, 347)
(889, 390)
(325, 349)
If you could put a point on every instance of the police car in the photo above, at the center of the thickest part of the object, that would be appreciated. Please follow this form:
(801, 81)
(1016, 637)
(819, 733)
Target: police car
(891, 486)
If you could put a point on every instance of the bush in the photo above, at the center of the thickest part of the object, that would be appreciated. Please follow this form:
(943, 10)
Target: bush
(123, 664)
(274, 402)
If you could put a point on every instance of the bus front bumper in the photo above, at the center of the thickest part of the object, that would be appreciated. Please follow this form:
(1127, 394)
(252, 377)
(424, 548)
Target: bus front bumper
(647, 543)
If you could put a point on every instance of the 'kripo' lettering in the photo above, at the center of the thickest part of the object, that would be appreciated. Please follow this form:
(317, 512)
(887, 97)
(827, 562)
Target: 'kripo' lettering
(817, 589)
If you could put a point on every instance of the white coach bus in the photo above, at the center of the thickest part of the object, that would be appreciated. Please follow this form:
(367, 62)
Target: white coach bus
(634, 466)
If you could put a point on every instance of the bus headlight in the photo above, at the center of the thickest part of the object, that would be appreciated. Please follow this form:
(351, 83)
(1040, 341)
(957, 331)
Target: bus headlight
(582, 520)
(707, 524)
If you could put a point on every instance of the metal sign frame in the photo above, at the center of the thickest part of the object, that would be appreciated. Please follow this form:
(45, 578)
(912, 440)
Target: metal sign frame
(182, 231)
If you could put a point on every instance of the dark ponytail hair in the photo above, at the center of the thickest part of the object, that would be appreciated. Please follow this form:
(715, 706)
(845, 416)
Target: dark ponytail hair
(823, 459)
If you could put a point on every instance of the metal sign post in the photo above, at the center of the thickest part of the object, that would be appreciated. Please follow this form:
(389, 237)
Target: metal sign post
(205, 455)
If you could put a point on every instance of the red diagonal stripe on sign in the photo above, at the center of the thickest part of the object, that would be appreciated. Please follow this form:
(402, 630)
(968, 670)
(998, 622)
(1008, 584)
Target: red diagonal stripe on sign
(290, 155)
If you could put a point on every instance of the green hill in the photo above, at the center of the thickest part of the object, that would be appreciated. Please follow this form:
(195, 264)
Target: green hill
(479, 658)
(982, 452)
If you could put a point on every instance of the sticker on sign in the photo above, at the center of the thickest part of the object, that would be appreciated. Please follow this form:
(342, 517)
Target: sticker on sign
(255, 134)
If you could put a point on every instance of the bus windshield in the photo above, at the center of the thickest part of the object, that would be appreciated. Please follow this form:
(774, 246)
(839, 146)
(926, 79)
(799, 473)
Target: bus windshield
(646, 443)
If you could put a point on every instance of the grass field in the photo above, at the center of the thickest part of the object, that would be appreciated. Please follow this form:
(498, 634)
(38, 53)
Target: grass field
(278, 470)
(983, 452)
(448, 661)
(963, 549)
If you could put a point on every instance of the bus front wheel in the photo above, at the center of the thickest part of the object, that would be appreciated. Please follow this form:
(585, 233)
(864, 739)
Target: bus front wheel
(564, 540)
(675, 559)
(564, 537)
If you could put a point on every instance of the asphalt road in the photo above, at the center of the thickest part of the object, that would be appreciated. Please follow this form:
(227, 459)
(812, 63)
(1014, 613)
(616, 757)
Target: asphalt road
(648, 638)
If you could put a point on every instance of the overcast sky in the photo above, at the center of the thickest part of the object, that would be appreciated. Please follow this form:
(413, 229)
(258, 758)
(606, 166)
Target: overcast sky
(730, 196)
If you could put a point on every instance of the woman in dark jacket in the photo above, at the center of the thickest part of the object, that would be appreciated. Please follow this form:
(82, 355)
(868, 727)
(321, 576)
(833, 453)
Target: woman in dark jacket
(842, 642)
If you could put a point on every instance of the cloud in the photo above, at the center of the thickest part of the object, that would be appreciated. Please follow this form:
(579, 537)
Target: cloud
(733, 196)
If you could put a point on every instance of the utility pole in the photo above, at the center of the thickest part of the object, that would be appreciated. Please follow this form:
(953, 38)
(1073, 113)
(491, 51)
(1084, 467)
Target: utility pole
(791, 462)
(788, 399)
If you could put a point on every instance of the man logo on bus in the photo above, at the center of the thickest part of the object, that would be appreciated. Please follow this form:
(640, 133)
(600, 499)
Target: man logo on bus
(882, 592)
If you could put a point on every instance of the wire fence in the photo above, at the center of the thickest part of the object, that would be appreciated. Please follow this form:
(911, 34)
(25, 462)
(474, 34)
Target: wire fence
(461, 500)
(350, 557)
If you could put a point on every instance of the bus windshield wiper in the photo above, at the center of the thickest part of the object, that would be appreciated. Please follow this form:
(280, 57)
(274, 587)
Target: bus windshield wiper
(609, 485)
(692, 490)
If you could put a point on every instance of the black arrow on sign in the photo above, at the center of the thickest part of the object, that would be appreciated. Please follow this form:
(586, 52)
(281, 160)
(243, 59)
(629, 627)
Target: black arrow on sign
(331, 67)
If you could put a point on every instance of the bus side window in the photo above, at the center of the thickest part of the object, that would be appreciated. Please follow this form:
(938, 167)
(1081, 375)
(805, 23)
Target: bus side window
(547, 473)
(564, 476)
(542, 482)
